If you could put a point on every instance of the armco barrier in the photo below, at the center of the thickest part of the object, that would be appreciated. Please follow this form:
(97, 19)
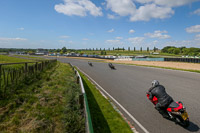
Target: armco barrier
(191, 60)
(84, 103)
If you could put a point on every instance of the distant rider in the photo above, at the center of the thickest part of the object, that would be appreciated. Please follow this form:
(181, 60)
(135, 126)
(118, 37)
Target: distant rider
(164, 99)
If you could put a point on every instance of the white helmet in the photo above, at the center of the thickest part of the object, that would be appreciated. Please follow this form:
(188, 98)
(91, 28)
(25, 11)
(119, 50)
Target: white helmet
(155, 83)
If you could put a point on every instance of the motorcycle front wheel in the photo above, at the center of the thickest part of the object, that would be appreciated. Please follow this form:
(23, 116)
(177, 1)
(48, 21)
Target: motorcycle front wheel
(184, 123)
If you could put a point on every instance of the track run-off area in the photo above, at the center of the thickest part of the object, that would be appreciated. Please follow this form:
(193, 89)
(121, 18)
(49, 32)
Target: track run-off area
(128, 85)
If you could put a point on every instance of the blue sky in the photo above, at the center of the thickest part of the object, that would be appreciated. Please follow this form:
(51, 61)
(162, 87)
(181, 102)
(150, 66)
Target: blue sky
(99, 23)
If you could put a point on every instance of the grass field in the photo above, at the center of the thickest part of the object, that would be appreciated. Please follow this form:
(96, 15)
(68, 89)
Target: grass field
(104, 118)
(29, 57)
(7, 59)
(47, 103)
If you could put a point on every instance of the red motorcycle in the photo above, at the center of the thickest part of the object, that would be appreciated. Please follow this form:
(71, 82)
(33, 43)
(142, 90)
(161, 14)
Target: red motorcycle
(176, 111)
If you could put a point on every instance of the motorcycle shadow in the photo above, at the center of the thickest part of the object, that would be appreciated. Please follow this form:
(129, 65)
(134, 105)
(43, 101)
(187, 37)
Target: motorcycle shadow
(192, 127)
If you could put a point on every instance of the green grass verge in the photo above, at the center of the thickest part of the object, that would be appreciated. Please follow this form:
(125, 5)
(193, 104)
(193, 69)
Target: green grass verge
(30, 57)
(8, 59)
(104, 117)
(46, 103)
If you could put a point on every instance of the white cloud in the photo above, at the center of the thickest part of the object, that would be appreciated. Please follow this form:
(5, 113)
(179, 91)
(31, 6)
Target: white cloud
(169, 3)
(65, 42)
(193, 29)
(20, 28)
(85, 39)
(197, 37)
(131, 31)
(197, 12)
(13, 39)
(70, 42)
(119, 38)
(110, 16)
(158, 34)
(146, 9)
(64, 36)
(180, 43)
(149, 11)
(121, 7)
(155, 41)
(115, 42)
(136, 40)
(112, 30)
(78, 8)
(62, 41)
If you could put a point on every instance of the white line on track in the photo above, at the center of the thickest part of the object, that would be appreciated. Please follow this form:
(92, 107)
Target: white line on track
(137, 122)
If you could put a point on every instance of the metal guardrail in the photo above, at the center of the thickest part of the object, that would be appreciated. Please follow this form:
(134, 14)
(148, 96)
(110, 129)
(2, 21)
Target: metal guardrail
(84, 103)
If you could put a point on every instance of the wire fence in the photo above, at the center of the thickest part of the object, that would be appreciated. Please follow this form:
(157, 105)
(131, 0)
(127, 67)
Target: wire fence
(191, 60)
(11, 74)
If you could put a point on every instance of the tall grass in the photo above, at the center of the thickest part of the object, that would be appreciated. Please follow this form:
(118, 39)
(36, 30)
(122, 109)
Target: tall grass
(47, 103)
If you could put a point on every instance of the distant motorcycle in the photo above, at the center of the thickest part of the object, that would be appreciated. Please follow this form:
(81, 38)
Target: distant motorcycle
(111, 65)
(90, 63)
(176, 112)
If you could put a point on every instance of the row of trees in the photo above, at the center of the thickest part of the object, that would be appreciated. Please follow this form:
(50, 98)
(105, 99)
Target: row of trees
(168, 49)
(120, 49)
(181, 50)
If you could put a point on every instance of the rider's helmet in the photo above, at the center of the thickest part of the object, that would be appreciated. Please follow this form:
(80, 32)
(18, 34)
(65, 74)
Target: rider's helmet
(155, 83)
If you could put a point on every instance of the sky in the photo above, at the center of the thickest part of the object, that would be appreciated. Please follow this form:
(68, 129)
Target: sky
(78, 24)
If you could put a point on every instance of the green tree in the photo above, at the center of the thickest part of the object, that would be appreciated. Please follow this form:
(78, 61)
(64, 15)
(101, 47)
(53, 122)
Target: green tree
(58, 50)
(176, 51)
(165, 49)
(171, 50)
(64, 49)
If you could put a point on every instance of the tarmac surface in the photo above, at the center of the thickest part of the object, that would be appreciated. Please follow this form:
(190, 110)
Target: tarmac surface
(129, 84)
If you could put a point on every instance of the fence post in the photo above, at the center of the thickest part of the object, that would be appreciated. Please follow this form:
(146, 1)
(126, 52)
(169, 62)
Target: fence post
(0, 75)
(26, 67)
(42, 65)
(36, 66)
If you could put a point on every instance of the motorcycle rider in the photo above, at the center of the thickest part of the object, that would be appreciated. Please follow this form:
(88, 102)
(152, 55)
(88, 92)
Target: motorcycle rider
(164, 99)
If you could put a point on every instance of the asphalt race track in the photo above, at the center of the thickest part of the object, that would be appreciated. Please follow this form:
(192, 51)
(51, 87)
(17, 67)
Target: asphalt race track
(128, 85)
